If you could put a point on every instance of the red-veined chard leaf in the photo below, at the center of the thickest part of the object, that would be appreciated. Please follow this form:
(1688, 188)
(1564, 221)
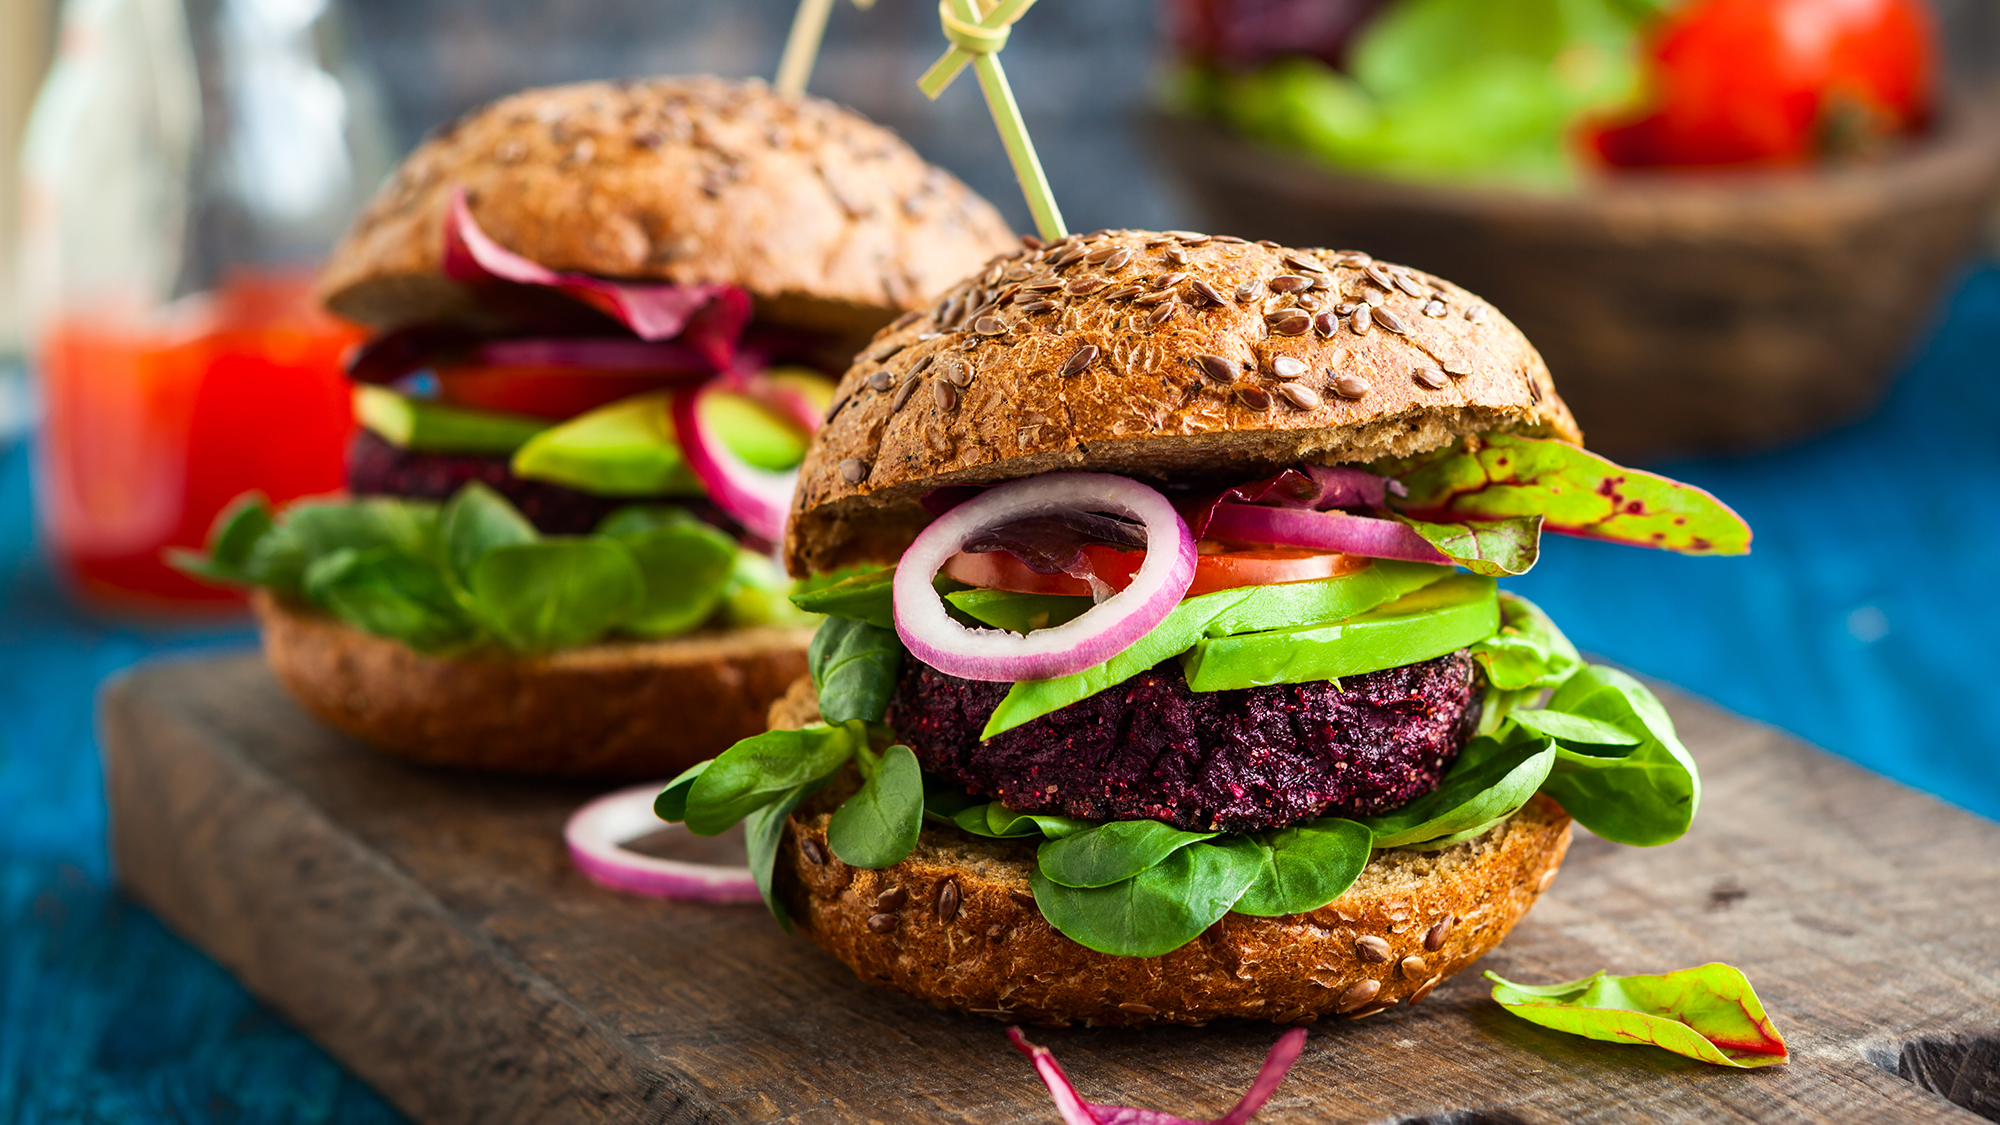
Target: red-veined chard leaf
(1577, 492)
(1493, 547)
(1709, 1013)
(1076, 1111)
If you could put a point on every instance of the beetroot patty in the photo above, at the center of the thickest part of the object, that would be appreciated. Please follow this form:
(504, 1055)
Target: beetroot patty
(377, 468)
(1234, 761)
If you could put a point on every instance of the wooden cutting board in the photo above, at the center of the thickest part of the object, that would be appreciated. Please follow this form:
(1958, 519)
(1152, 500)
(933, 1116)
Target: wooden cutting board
(428, 929)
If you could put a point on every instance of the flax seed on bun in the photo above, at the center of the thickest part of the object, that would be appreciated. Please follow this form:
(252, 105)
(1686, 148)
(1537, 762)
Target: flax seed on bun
(955, 924)
(1156, 355)
(829, 220)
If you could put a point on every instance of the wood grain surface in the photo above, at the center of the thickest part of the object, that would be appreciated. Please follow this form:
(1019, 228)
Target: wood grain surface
(428, 929)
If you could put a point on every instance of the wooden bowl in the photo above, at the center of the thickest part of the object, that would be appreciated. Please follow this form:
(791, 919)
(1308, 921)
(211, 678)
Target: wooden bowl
(1691, 313)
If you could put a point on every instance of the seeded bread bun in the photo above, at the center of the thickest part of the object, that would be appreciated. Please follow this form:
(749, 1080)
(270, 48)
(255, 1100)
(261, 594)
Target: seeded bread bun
(955, 924)
(1156, 355)
(621, 710)
(831, 221)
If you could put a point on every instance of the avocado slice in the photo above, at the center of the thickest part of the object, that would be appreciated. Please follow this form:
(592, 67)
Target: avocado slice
(628, 449)
(1429, 622)
(437, 428)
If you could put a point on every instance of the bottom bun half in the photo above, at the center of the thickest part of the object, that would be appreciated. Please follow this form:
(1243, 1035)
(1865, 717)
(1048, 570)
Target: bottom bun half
(956, 924)
(620, 710)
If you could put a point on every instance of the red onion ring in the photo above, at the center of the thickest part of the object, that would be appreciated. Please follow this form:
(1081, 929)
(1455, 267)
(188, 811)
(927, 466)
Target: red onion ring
(1103, 631)
(1325, 531)
(596, 832)
(756, 498)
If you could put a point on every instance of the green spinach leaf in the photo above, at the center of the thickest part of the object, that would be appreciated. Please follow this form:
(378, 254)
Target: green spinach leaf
(763, 832)
(854, 666)
(1709, 1013)
(1488, 782)
(686, 567)
(557, 592)
(879, 824)
(864, 597)
(1018, 613)
(1569, 729)
(1307, 866)
(475, 520)
(1645, 796)
(1528, 652)
(761, 769)
(322, 527)
(672, 803)
(997, 821)
(232, 538)
(391, 593)
(1111, 852)
(1499, 475)
(1160, 909)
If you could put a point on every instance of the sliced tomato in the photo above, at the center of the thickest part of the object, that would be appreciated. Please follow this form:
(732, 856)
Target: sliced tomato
(556, 393)
(1219, 570)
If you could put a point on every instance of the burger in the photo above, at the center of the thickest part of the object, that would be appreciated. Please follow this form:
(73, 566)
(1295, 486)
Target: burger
(1170, 679)
(605, 320)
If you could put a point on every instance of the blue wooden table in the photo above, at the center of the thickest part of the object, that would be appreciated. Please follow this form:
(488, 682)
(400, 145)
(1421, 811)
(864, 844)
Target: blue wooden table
(1864, 622)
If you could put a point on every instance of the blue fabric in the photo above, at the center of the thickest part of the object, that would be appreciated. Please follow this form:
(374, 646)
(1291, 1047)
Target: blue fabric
(1866, 614)
(105, 1016)
(1863, 622)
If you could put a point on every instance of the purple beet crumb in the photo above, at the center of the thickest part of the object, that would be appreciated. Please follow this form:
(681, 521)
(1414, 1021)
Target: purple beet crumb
(378, 468)
(1234, 761)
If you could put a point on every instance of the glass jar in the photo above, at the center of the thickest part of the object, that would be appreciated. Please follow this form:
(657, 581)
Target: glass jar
(187, 164)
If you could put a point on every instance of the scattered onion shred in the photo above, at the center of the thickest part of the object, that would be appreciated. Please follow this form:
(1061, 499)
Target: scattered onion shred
(756, 498)
(1101, 632)
(1076, 1111)
(596, 835)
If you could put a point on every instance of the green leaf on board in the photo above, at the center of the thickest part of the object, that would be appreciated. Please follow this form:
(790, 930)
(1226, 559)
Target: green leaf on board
(1709, 1013)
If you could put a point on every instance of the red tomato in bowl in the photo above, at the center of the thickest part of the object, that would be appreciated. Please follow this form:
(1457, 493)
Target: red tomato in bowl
(1776, 82)
(555, 393)
(1225, 570)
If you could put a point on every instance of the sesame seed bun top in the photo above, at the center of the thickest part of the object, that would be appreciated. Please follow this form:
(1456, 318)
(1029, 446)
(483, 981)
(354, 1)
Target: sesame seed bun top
(1160, 356)
(830, 221)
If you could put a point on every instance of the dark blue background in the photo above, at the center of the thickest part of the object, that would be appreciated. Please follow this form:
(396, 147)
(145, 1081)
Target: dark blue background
(1864, 621)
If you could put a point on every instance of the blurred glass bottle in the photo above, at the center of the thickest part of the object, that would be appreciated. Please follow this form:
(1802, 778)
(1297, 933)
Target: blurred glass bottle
(187, 164)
